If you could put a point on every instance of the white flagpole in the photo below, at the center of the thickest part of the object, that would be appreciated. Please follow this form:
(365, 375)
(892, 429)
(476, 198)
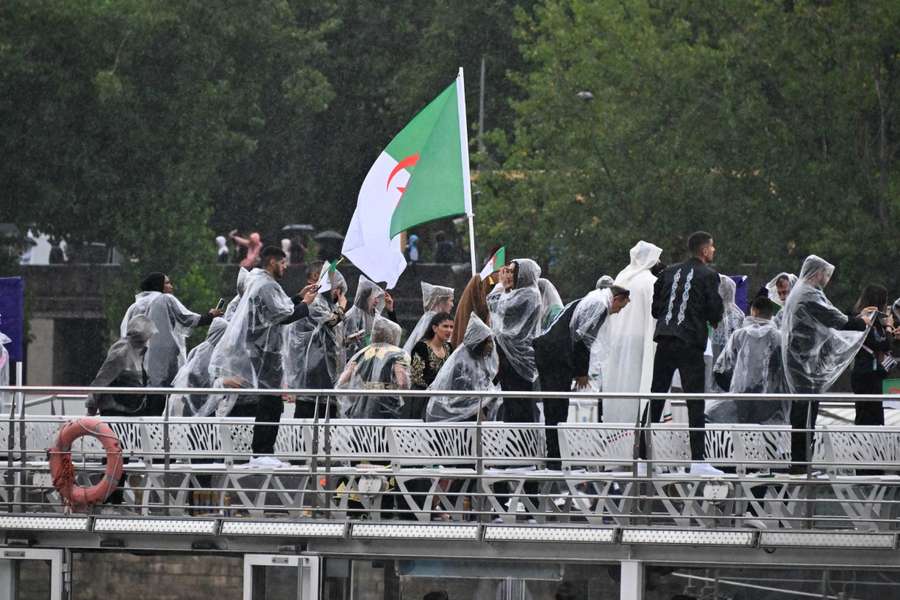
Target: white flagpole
(467, 180)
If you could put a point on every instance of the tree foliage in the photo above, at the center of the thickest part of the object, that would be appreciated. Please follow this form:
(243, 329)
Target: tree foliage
(771, 124)
(149, 125)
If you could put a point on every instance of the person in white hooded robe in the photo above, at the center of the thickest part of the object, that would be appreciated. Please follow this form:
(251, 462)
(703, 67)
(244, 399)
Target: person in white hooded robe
(472, 366)
(818, 343)
(563, 352)
(167, 351)
(629, 359)
(435, 299)
(515, 307)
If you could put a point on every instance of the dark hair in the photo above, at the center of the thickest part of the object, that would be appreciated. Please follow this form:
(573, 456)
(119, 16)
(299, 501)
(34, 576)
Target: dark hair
(619, 291)
(697, 240)
(270, 252)
(763, 306)
(872, 295)
(153, 282)
(441, 595)
(435, 321)
(782, 277)
(658, 268)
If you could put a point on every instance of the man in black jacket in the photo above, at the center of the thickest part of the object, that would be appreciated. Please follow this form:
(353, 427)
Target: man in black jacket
(686, 302)
(563, 353)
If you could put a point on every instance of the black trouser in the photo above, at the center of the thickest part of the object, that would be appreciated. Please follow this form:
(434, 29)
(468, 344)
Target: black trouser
(868, 413)
(304, 409)
(801, 440)
(673, 354)
(554, 378)
(268, 407)
(515, 410)
(268, 410)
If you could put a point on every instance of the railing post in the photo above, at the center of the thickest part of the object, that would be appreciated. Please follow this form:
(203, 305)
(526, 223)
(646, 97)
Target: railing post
(166, 448)
(9, 476)
(23, 438)
(314, 452)
(810, 491)
(327, 449)
(479, 462)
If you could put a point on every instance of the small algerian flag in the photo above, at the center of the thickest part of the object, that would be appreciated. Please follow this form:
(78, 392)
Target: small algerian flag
(422, 175)
(325, 279)
(497, 260)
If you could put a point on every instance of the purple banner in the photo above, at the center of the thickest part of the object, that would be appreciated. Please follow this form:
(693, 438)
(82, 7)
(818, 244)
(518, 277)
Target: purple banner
(12, 315)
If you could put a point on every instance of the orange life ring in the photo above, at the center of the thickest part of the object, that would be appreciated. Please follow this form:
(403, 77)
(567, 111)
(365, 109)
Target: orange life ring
(63, 471)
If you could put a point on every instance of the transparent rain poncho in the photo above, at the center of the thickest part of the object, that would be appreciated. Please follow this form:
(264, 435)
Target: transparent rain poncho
(516, 318)
(604, 282)
(732, 319)
(313, 349)
(249, 353)
(551, 303)
(124, 367)
(167, 350)
(468, 368)
(367, 305)
(382, 365)
(814, 349)
(195, 374)
(435, 299)
(242, 276)
(587, 327)
(4, 359)
(772, 290)
(629, 363)
(752, 360)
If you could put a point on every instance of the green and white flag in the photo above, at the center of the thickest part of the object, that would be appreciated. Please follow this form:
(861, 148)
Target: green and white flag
(325, 278)
(497, 260)
(422, 175)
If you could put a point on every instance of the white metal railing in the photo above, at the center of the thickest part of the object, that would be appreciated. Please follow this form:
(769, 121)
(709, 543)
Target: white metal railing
(469, 472)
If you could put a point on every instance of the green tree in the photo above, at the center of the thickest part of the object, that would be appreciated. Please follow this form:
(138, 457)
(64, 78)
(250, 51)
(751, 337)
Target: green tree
(773, 125)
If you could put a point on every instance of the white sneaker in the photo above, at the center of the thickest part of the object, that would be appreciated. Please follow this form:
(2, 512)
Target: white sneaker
(706, 470)
(267, 462)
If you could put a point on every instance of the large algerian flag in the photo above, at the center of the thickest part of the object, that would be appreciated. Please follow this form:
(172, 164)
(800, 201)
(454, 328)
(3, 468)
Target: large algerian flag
(422, 175)
(497, 260)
